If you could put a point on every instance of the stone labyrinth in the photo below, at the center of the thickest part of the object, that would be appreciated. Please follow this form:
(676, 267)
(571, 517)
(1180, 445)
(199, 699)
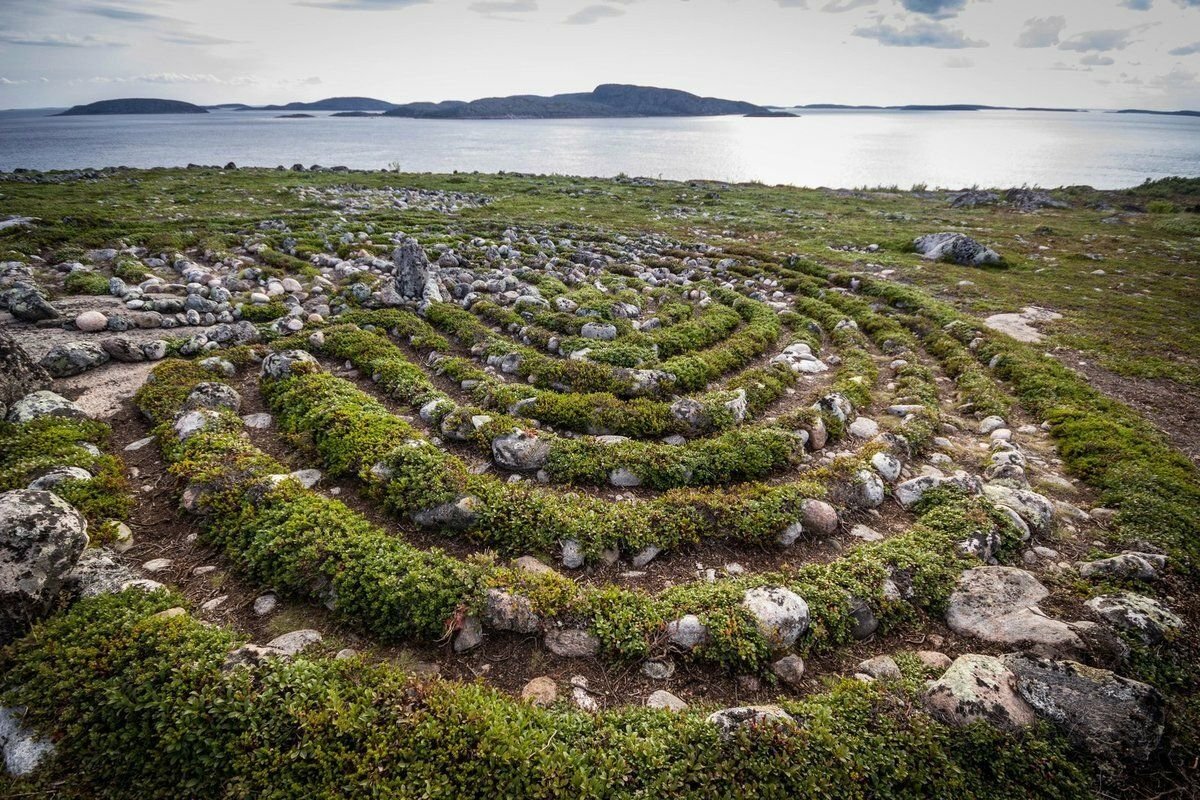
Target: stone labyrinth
(591, 471)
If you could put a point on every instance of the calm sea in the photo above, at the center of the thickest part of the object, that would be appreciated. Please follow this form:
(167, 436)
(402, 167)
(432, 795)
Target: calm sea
(819, 148)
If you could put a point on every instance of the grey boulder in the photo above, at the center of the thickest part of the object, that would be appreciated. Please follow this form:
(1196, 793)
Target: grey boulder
(41, 538)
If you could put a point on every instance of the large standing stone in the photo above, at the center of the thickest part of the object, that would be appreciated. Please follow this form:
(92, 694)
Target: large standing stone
(416, 279)
(1112, 717)
(999, 604)
(978, 687)
(41, 538)
(780, 614)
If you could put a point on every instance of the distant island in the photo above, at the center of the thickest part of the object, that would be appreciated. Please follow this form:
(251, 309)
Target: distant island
(947, 107)
(1160, 113)
(133, 105)
(328, 104)
(607, 100)
(610, 100)
(295, 116)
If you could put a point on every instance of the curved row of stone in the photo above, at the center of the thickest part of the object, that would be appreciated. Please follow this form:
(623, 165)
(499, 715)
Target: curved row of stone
(356, 435)
(303, 543)
(516, 443)
(745, 395)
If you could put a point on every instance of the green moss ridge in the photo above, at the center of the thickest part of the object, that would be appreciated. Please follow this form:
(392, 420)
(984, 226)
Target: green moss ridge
(591, 412)
(31, 449)
(355, 434)
(1154, 487)
(691, 371)
(742, 454)
(307, 545)
(140, 706)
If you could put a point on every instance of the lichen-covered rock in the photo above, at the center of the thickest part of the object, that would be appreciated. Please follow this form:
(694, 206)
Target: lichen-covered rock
(572, 642)
(687, 632)
(58, 475)
(458, 514)
(416, 279)
(41, 538)
(73, 358)
(23, 750)
(278, 366)
(979, 687)
(510, 612)
(19, 374)
(999, 604)
(909, 493)
(729, 720)
(665, 701)
(25, 301)
(43, 404)
(1033, 508)
(213, 396)
(1112, 717)
(882, 668)
(955, 247)
(780, 614)
(1139, 566)
(521, 450)
(1142, 616)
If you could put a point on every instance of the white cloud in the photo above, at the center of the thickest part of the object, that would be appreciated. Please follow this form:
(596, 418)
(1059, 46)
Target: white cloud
(1041, 32)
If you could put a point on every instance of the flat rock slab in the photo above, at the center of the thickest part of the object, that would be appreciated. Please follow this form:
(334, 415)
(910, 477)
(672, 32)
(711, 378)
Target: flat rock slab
(999, 604)
(1020, 326)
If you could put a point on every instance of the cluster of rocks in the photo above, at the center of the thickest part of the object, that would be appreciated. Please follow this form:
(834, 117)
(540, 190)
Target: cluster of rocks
(359, 200)
(955, 247)
(1022, 199)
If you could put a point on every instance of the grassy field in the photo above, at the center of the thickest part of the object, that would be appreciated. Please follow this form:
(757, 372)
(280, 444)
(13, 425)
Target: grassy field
(1139, 319)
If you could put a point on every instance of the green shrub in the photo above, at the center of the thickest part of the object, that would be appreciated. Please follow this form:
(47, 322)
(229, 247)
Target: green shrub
(83, 281)
(140, 706)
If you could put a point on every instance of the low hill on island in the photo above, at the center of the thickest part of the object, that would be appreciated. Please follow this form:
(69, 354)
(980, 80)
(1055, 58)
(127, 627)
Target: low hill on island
(133, 105)
(329, 104)
(607, 100)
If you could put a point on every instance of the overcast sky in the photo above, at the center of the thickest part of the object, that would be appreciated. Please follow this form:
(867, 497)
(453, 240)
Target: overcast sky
(1087, 53)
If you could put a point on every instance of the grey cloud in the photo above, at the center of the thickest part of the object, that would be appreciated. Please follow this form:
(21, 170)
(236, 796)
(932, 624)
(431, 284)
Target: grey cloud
(122, 14)
(1096, 60)
(938, 9)
(179, 37)
(1186, 50)
(590, 14)
(1099, 41)
(1041, 32)
(361, 5)
(496, 8)
(793, 3)
(1138, 5)
(919, 34)
(58, 40)
(840, 6)
(959, 62)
